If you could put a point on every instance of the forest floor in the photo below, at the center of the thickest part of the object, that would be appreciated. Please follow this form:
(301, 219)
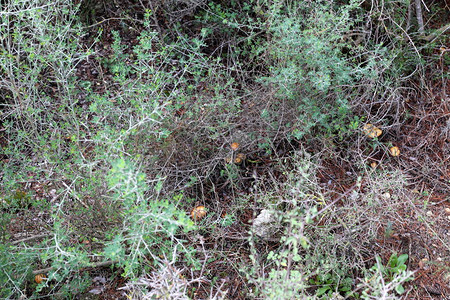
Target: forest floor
(419, 227)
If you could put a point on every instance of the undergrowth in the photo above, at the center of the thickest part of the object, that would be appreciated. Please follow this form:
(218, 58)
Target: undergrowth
(111, 163)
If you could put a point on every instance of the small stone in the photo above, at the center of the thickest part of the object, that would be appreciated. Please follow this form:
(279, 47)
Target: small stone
(447, 210)
(429, 213)
(386, 196)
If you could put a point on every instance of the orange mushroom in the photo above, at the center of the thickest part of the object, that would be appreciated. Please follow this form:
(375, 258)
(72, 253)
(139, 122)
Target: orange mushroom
(39, 278)
(395, 151)
(239, 158)
(198, 213)
(372, 131)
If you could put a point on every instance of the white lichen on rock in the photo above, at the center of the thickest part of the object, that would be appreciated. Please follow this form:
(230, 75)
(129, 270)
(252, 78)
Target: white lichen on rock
(266, 224)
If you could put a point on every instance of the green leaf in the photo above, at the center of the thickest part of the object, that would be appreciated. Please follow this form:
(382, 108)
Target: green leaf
(401, 268)
(399, 289)
(322, 290)
(304, 242)
(296, 258)
(393, 260)
(402, 259)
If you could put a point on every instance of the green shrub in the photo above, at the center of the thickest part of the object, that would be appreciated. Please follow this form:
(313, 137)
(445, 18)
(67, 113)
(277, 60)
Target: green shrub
(305, 257)
(15, 270)
(308, 67)
(382, 280)
(41, 50)
(150, 226)
(127, 160)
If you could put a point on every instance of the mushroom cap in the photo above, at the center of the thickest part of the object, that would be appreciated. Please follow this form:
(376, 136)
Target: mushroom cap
(39, 278)
(198, 212)
(395, 151)
(241, 156)
(372, 131)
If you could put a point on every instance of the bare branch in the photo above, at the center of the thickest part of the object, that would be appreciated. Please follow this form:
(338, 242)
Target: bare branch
(94, 265)
(436, 33)
(34, 237)
(419, 16)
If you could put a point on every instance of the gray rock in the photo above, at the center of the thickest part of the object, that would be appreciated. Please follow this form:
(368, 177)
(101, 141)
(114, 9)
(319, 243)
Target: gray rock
(266, 224)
